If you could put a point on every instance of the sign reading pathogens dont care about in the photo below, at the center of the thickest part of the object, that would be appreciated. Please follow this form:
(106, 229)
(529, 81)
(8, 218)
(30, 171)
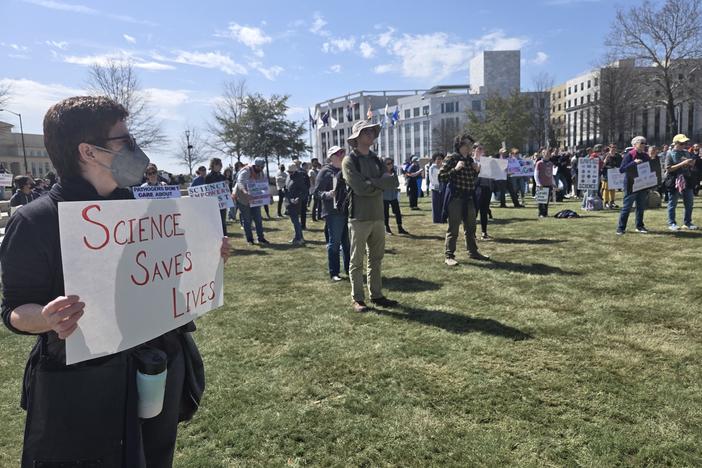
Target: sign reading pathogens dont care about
(142, 268)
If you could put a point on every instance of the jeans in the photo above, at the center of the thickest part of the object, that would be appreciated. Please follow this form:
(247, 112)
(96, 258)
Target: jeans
(247, 215)
(484, 207)
(641, 199)
(337, 227)
(436, 206)
(688, 200)
(294, 213)
(281, 199)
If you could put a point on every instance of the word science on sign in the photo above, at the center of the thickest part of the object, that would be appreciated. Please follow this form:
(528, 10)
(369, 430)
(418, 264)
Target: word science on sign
(142, 268)
(218, 190)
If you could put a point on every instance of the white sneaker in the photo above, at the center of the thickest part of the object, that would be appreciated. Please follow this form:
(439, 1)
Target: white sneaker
(691, 227)
(673, 227)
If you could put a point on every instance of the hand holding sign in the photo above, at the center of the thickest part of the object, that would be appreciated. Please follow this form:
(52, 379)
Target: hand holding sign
(62, 315)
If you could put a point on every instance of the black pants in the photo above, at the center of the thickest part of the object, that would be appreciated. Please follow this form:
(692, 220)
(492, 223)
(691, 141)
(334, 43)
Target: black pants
(303, 213)
(223, 215)
(484, 207)
(316, 208)
(412, 192)
(281, 199)
(504, 186)
(395, 204)
(543, 207)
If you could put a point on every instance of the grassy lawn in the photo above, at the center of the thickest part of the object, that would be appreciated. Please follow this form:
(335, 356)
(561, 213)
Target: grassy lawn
(574, 347)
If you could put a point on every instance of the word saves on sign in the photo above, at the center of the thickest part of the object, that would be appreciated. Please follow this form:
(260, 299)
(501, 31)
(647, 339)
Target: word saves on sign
(139, 230)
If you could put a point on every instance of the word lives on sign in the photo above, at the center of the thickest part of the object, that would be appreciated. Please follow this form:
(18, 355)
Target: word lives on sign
(219, 190)
(588, 174)
(142, 268)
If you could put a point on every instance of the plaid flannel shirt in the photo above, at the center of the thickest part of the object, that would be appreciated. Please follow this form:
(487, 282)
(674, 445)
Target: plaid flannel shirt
(463, 180)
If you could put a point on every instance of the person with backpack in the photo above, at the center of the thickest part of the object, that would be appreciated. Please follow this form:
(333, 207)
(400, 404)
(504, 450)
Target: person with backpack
(331, 190)
(366, 180)
(459, 174)
(679, 181)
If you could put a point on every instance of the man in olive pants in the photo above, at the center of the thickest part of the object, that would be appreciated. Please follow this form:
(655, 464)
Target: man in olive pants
(366, 178)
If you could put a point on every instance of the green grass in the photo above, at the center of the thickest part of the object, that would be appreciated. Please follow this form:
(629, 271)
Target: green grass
(575, 347)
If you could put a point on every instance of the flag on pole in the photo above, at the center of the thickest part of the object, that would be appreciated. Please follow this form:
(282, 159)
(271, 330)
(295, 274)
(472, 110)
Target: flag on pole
(396, 115)
(349, 111)
(317, 118)
(333, 122)
(313, 121)
(385, 116)
(325, 118)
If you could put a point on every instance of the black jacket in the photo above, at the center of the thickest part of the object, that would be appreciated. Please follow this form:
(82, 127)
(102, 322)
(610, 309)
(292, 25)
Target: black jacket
(324, 189)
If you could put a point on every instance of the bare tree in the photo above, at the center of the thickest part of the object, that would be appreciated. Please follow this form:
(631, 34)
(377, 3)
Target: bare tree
(540, 126)
(193, 149)
(118, 81)
(4, 95)
(669, 39)
(228, 136)
(442, 136)
(621, 93)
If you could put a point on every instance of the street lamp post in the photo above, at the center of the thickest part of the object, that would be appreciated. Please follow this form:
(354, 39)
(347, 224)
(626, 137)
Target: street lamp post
(189, 147)
(24, 149)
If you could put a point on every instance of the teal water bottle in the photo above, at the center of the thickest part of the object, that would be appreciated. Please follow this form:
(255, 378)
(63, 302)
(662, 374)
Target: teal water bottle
(151, 381)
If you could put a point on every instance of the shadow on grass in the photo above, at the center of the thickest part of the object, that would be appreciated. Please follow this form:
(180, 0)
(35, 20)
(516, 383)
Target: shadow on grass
(422, 237)
(526, 268)
(511, 220)
(244, 253)
(680, 233)
(455, 323)
(498, 240)
(408, 284)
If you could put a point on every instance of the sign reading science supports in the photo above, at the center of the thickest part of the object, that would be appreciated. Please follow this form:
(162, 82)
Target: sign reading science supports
(142, 268)
(218, 189)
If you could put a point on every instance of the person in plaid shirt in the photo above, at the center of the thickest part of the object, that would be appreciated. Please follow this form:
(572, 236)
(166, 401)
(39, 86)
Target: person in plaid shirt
(460, 173)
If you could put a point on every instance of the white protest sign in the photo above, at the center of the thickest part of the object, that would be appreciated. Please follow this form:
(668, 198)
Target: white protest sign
(259, 194)
(542, 195)
(644, 169)
(218, 189)
(492, 168)
(588, 174)
(520, 167)
(646, 178)
(156, 192)
(142, 268)
(615, 179)
(6, 180)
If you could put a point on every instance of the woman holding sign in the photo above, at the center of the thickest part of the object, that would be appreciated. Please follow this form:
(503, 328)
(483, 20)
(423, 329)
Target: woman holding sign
(85, 414)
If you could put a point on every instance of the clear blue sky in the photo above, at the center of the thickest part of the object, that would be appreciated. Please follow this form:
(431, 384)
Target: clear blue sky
(186, 51)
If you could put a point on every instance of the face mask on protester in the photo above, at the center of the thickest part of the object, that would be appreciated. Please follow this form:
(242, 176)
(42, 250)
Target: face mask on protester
(128, 164)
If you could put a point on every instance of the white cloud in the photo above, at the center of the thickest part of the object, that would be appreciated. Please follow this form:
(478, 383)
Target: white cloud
(121, 57)
(58, 45)
(318, 25)
(367, 50)
(435, 56)
(19, 56)
(540, 59)
(166, 102)
(129, 38)
(251, 37)
(335, 68)
(339, 45)
(217, 60)
(385, 38)
(85, 10)
(270, 73)
(32, 99)
(386, 68)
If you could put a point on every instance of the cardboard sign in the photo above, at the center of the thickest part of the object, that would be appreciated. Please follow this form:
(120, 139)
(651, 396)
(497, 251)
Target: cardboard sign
(6, 180)
(588, 174)
(646, 177)
(520, 167)
(218, 189)
(615, 179)
(492, 168)
(142, 268)
(259, 194)
(156, 192)
(542, 195)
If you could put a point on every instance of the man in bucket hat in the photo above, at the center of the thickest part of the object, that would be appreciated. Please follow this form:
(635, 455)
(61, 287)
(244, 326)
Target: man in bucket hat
(366, 180)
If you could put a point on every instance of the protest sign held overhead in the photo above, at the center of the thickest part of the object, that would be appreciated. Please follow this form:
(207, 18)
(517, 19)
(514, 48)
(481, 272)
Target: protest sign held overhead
(142, 269)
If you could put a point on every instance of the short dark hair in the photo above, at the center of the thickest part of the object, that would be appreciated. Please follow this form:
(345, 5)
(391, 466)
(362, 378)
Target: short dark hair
(151, 166)
(76, 120)
(21, 181)
(460, 140)
(436, 156)
(201, 168)
(215, 161)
